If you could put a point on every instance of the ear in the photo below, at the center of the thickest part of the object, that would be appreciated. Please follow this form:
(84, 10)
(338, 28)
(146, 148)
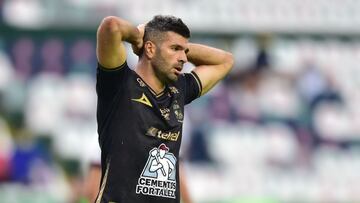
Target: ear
(149, 49)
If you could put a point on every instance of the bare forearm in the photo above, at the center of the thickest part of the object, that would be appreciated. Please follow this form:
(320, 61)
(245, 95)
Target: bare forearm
(211, 64)
(204, 55)
(112, 32)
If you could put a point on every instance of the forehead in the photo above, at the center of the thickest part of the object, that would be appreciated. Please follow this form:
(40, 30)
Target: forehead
(172, 38)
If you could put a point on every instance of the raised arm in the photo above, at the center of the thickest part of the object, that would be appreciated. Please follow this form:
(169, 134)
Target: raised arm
(211, 64)
(111, 33)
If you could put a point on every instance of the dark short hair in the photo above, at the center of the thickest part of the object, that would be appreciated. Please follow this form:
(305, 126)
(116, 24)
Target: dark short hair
(165, 23)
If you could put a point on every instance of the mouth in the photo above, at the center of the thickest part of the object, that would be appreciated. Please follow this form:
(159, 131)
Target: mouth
(178, 70)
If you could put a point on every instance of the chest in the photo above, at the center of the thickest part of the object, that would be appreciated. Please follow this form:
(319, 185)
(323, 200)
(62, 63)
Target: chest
(166, 108)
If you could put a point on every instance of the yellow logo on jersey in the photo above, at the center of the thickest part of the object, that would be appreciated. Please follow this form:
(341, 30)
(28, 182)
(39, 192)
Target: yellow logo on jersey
(144, 100)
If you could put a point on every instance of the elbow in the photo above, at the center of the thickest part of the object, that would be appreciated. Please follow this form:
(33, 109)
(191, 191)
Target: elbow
(229, 60)
(111, 24)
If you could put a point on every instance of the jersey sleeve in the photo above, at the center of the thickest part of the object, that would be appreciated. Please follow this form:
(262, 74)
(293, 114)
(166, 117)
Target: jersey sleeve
(192, 87)
(109, 81)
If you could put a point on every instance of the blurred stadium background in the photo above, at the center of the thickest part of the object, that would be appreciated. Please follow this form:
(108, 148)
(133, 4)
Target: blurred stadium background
(283, 127)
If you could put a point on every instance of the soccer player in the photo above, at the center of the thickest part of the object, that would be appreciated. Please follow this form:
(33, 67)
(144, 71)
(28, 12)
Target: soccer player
(140, 111)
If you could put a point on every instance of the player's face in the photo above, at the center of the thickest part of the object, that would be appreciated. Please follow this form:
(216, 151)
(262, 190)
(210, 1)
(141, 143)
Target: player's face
(170, 57)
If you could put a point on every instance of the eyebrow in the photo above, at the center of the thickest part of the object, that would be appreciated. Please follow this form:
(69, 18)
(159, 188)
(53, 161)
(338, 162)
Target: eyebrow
(178, 45)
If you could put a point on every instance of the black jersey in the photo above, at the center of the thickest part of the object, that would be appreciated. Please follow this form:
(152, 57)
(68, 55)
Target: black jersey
(140, 134)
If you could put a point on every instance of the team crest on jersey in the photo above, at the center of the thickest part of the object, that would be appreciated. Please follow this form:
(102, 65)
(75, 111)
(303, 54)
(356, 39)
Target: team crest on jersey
(173, 90)
(165, 112)
(178, 113)
(159, 173)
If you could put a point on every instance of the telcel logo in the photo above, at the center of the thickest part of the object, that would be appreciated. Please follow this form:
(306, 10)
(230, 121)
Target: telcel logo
(154, 132)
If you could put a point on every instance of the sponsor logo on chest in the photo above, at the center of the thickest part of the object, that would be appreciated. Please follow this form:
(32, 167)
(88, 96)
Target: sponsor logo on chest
(154, 132)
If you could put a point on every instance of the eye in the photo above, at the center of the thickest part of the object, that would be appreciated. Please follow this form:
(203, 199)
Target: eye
(176, 48)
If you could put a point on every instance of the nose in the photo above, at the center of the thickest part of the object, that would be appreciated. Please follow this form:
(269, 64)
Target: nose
(183, 58)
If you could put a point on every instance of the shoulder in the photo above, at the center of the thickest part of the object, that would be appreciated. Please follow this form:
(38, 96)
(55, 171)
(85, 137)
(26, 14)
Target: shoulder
(114, 73)
(110, 80)
(123, 66)
(189, 79)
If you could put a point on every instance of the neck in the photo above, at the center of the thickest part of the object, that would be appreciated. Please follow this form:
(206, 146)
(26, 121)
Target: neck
(146, 71)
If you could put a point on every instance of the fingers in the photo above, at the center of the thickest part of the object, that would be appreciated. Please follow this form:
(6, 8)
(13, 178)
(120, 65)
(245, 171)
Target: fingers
(141, 28)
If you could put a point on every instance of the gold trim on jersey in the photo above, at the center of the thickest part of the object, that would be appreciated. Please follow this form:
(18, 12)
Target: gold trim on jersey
(142, 83)
(98, 200)
(160, 94)
(198, 83)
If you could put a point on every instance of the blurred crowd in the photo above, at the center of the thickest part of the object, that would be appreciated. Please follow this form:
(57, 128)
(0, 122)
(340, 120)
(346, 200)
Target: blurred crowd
(284, 122)
(47, 113)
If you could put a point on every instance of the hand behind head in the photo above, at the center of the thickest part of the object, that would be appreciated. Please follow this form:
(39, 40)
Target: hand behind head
(138, 48)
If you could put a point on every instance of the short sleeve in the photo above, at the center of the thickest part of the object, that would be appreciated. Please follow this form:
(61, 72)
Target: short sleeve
(109, 81)
(192, 87)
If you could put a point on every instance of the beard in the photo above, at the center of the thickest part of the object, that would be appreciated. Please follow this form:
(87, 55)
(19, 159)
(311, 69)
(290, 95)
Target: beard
(163, 69)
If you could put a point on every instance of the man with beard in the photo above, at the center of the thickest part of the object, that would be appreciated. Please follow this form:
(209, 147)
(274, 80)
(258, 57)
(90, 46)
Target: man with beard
(141, 109)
